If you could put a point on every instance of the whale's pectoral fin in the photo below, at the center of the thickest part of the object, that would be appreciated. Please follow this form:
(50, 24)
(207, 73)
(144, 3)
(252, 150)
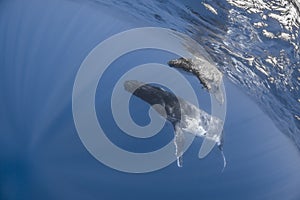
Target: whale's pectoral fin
(179, 144)
(208, 144)
(206, 147)
(220, 146)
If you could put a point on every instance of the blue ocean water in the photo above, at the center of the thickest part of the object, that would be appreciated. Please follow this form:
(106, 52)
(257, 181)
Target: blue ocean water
(42, 45)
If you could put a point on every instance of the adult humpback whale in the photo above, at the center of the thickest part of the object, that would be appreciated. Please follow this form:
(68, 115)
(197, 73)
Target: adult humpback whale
(209, 76)
(184, 116)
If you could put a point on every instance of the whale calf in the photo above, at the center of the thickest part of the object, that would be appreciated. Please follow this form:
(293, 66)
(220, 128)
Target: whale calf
(184, 116)
(209, 76)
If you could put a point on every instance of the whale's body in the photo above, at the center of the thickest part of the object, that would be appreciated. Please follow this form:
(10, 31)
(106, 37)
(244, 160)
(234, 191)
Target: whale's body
(184, 116)
(209, 76)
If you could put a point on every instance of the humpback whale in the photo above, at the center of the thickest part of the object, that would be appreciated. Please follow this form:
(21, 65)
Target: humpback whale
(209, 76)
(184, 116)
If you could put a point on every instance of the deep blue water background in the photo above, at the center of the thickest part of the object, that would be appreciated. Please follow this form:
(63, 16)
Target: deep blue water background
(42, 44)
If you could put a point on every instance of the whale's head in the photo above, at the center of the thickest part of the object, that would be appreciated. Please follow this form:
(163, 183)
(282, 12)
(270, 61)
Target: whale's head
(181, 63)
(156, 96)
(151, 94)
